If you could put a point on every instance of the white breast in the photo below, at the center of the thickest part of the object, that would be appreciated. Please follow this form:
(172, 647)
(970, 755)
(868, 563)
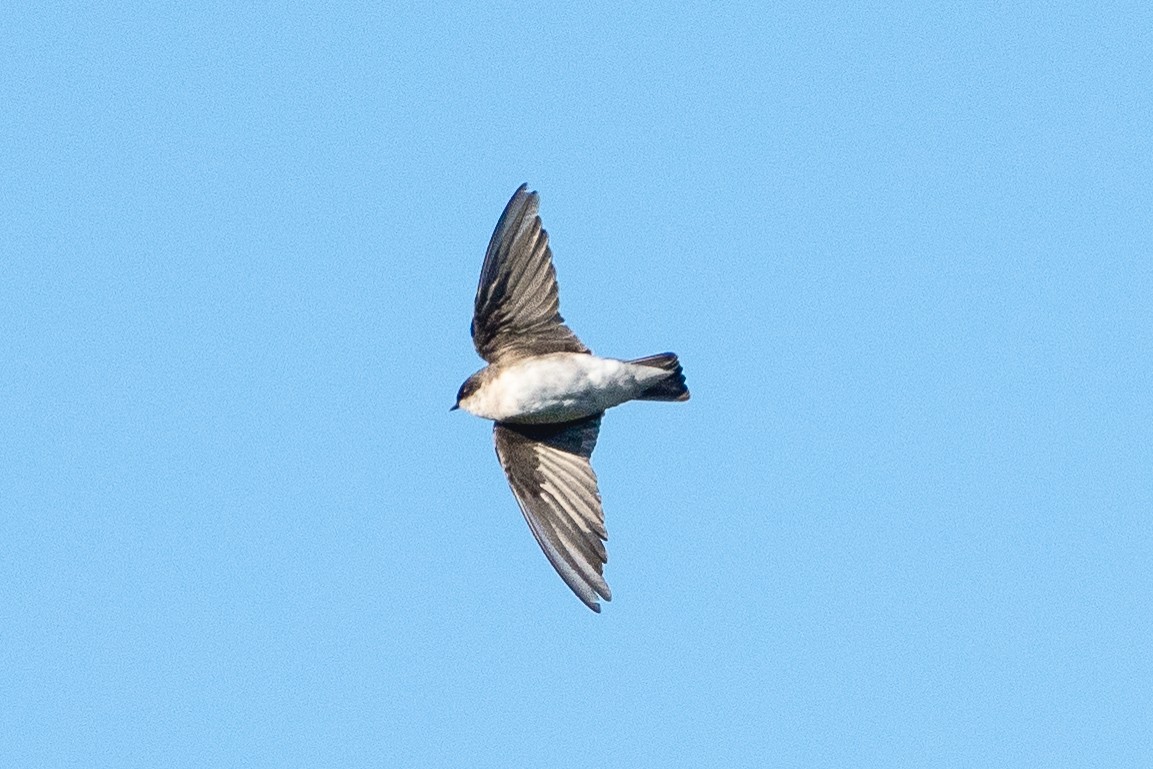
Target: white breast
(559, 388)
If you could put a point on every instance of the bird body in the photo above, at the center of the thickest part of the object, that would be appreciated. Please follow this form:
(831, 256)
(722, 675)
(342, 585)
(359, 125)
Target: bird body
(558, 387)
(546, 393)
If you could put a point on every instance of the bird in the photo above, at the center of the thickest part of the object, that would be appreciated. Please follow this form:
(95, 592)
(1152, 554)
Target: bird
(546, 393)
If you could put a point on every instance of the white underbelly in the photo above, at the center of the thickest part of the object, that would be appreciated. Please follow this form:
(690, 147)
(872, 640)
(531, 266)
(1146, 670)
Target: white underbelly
(566, 386)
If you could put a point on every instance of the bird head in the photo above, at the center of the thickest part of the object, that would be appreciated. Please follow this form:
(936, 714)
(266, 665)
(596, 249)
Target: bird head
(466, 391)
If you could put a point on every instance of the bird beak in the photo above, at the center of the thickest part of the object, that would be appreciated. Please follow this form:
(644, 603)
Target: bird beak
(454, 407)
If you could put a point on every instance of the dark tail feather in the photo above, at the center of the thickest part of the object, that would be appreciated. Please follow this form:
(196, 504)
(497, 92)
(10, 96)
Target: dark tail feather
(672, 387)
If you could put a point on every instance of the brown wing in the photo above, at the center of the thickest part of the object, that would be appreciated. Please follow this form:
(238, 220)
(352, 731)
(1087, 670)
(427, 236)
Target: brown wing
(549, 471)
(516, 312)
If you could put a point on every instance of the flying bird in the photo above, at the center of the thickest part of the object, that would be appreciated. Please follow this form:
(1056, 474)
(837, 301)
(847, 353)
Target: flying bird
(546, 393)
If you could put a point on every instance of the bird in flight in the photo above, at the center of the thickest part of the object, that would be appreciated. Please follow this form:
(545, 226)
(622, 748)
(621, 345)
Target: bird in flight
(546, 393)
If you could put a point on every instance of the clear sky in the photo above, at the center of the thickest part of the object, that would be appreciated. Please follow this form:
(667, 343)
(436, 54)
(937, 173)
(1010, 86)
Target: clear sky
(904, 250)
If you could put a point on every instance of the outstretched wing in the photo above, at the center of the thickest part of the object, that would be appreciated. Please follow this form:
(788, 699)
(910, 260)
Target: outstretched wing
(549, 471)
(517, 307)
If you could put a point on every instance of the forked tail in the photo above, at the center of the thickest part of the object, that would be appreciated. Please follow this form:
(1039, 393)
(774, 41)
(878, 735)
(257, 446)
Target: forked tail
(672, 387)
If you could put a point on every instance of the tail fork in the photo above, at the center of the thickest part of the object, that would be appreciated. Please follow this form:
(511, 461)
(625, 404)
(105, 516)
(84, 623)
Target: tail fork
(672, 387)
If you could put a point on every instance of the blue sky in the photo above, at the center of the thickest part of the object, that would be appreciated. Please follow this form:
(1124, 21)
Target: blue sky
(904, 250)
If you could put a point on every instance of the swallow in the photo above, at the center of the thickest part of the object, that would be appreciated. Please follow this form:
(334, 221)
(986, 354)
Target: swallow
(546, 393)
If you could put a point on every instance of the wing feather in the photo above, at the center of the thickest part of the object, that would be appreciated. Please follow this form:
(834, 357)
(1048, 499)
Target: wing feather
(516, 312)
(550, 475)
